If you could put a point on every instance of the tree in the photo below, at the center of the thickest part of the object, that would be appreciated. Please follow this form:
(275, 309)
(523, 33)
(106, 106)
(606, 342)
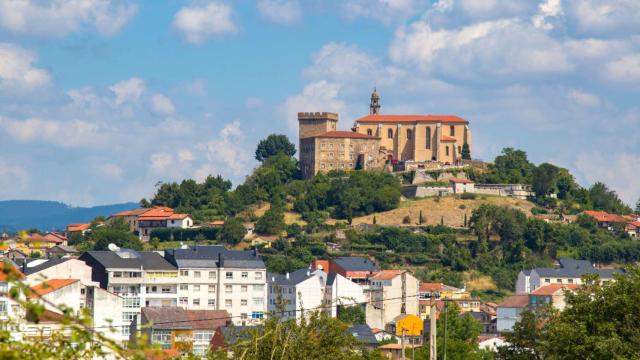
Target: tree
(352, 315)
(512, 166)
(638, 207)
(274, 144)
(524, 343)
(544, 179)
(466, 152)
(233, 231)
(272, 222)
(116, 232)
(606, 200)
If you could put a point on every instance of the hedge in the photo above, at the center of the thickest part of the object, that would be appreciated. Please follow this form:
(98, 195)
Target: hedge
(183, 234)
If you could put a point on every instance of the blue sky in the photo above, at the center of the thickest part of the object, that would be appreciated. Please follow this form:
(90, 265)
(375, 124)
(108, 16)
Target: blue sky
(100, 100)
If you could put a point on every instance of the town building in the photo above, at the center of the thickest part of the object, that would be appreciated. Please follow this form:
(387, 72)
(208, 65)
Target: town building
(377, 138)
(364, 336)
(509, 311)
(395, 351)
(356, 269)
(185, 331)
(341, 292)
(39, 270)
(570, 271)
(81, 229)
(214, 278)
(550, 295)
(141, 278)
(296, 295)
(441, 293)
(144, 220)
(391, 293)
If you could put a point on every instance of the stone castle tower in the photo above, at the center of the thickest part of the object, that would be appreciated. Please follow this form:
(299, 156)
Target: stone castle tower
(316, 123)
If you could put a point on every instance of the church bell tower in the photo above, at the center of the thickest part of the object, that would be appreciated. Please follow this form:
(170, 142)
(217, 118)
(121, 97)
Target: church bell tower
(374, 107)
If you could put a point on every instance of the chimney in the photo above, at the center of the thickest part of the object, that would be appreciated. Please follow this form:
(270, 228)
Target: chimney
(287, 275)
(220, 259)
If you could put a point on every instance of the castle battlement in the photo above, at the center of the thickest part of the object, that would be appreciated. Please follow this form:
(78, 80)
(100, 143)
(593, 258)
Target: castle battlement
(317, 115)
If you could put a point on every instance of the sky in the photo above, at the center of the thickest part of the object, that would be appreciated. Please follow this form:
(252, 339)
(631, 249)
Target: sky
(101, 100)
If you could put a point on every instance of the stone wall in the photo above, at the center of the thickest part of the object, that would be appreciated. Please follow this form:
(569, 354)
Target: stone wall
(424, 191)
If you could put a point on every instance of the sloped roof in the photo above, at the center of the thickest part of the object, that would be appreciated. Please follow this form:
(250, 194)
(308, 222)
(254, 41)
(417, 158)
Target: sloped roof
(207, 256)
(147, 260)
(363, 333)
(353, 263)
(344, 135)
(181, 319)
(412, 118)
(515, 301)
(424, 287)
(51, 285)
(570, 268)
(605, 216)
(28, 270)
(295, 277)
(386, 274)
(77, 227)
(553, 288)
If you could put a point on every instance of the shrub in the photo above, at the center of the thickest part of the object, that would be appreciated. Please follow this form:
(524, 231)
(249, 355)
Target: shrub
(406, 220)
(183, 234)
(467, 196)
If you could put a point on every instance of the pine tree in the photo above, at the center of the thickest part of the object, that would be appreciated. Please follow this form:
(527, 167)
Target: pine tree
(465, 219)
(421, 219)
(466, 152)
(374, 220)
(638, 207)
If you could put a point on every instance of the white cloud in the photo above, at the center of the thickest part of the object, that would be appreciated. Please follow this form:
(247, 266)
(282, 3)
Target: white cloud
(605, 17)
(618, 170)
(162, 104)
(583, 98)
(161, 162)
(61, 17)
(385, 11)
(110, 170)
(317, 96)
(185, 155)
(547, 10)
(624, 69)
(225, 152)
(502, 50)
(17, 70)
(128, 90)
(280, 11)
(74, 133)
(340, 62)
(198, 23)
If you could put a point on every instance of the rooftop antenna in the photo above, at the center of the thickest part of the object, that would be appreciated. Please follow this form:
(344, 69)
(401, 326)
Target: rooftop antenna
(113, 247)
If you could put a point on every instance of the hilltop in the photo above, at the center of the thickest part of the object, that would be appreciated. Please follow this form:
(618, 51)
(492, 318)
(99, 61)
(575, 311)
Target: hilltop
(50, 215)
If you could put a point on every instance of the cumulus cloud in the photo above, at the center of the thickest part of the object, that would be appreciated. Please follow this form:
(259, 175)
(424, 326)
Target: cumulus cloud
(583, 98)
(161, 162)
(624, 69)
(339, 62)
(74, 133)
(17, 71)
(604, 17)
(317, 96)
(161, 104)
(547, 10)
(61, 17)
(280, 11)
(225, 152)
(128, 90)
(198, 23)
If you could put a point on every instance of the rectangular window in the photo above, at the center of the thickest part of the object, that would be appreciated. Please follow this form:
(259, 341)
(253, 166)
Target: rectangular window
(212, 275)
(196, 274)
(211, 302)
(131, 302)
(184, 287)
(322, 146)
(331, 146)
(228, 289)
(452, 130)
(184, 301)
(127, 317)
(243, 302)
(229, 275)
(243, 288)
(559, 281)
(184, 272)
(196, 287)
(258, 275)
(256, 315)
(166, 290)
(258, 287)
(212, 288)
(117, 274)
(258, 301)
(547, 281)
(162, 337)
(245, 275)
(3, 308)
(202, 335)
(196, 301)
(570, 281)
(228, 303)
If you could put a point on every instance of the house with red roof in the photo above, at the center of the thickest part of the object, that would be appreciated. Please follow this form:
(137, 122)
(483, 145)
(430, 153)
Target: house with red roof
(550, 295)
(144, 220)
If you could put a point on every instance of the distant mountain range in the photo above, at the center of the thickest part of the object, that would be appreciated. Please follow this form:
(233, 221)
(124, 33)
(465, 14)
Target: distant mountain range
(50, 215)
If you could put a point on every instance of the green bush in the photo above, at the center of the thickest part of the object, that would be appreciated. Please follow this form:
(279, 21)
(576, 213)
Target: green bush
(468, 196)
(183, 234)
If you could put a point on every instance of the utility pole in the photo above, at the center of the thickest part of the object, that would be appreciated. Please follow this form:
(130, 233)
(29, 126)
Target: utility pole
(433, 351)
(444, 347)
(402, 344)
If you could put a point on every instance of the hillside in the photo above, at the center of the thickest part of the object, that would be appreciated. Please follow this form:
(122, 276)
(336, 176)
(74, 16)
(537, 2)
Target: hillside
(50, 215)
(449, 209)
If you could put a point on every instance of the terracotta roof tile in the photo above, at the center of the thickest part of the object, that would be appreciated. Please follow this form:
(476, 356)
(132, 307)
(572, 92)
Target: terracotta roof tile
(553, 288)
(345, 135)
(413, 118)
(515, 301)
(386, 274)
(51, 285)
(447, 138)
(77, 227)
(430, 287)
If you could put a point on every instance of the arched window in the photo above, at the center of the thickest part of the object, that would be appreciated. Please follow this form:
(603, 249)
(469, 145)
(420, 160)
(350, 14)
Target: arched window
(452, 129)
(446, 150)
(428, 143)
(369, 132)
(390, 133)
(409, 134)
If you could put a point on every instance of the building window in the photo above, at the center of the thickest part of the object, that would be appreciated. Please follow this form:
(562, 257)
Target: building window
(196, 274)
(161, 337)
(243, 302)
(243, 288)
(390, 133)
(256, 315)
(184, 301)
(228, 303)
(446, 150)
(211, 302)
(559, 281)
(131, 302)
(229, 275)
(196, 301)
(322, 146)
(258, 275)
(409, 134)
(228, 289)
(452, 130)
(245, 275)
(184, 272)
(331, 155)
(196, 287)
(330, 146)
(428, 140)
(547, 281)
(258, 301)
(369, 132)
(570, 281)
(342, 146)
(166, 290)
(212, 288)
(212, 275)
(184, 287)
(128, 317)
(258, 287)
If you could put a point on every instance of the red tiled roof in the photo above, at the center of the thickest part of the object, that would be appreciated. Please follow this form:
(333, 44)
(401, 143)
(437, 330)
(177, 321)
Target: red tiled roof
(386, 274)
(424, 287)
(9, 268)
(77, 227)
(515, 301)
(602, 216)
(447, 138)
(345, 135)
(412, 118)
(460, 181)
(216, 222)
(51, 285)
(553, 288)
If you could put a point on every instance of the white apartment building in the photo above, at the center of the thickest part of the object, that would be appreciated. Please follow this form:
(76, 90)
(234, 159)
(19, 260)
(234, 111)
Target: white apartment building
(340, 291)
(391, 293)
(141, 278)
(214, 278)
(297, 294)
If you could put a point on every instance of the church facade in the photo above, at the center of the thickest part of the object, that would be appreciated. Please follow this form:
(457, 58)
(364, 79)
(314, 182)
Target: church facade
(378, 138)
